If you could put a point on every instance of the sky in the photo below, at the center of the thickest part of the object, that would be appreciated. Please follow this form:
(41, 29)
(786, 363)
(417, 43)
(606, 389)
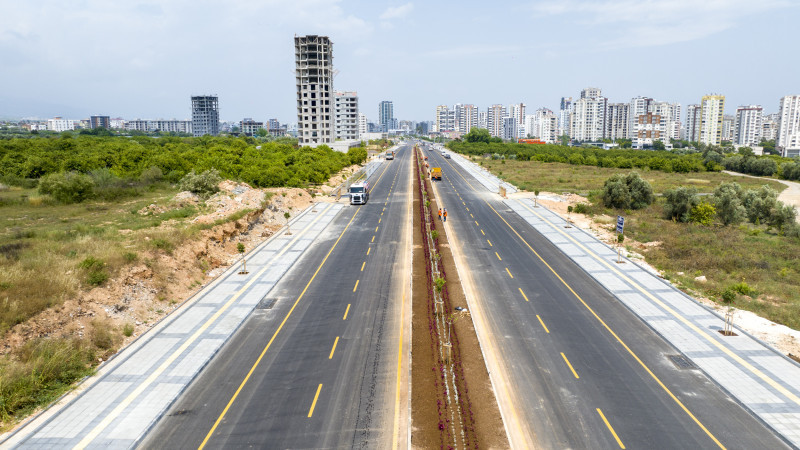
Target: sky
(145, 59)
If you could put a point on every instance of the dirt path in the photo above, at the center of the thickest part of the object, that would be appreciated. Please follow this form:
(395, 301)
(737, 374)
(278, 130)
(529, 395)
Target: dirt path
(789, 196)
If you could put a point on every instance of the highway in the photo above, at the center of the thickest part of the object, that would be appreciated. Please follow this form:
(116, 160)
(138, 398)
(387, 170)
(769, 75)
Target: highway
(321, 362)
(572, 367)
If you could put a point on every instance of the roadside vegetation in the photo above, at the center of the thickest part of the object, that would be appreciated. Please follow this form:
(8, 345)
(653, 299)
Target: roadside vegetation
(76, 211)
(728, 229)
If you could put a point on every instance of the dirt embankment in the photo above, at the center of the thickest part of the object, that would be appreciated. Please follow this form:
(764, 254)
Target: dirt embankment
(145, 291)
(453, 404)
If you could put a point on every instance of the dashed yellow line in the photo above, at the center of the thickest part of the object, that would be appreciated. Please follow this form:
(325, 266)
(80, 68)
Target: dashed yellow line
(523, 294)
(490, 243)
(314, 403)
(483, 233)
(356, 286)
(509, 273)
(368, 250)
(498, 257)
(346, 311)
(610, 428)
(470, 214)
(373, 239)
(362, 265)
(334, 347)
(570, 365)
(476, 223)
(376, 229)
(542, 322)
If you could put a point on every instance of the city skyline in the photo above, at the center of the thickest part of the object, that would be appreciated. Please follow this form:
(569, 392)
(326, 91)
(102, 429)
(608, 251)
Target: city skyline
(139, 61)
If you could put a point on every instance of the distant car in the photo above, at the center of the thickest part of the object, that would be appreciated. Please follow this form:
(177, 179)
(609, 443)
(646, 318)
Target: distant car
(447, 155)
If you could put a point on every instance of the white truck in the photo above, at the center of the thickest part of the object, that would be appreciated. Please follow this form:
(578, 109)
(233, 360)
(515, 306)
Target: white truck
(359, 193)
(389, 155)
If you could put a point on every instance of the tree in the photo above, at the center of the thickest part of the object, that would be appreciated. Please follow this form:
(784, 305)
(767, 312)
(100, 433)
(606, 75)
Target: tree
(240, 249)
(627, 191)
(357, 155)
(781, 216)
(203, 184)
(759, 204)
(659, 145)
(703, 213)
(727, 199)
(679, 203)
(478, 135)
(564, 139)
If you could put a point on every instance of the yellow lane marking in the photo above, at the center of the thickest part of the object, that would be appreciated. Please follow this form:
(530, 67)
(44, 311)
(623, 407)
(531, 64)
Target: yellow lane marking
(490, 243)
(165, 365)
(476, 223)
(483, 233)
(376, 229)
(498, 256)
(468, 210)
(543, 325)
(470, 214)
(274, 335)
(523, 294)
(509, 273)
(314, 403)
(356, 286)
(362, 265)
(373, 238)
(570, 365)
(368, 250)
(381, 213)
(462, 202)
(334, 347)
(346, 311)
(613, 334)
(397, 389)
(610, 428)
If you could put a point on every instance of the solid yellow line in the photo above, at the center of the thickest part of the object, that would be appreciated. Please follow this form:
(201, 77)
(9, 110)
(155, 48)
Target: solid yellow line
(397, 386)
(570, 365)
(608, 328)
(346, 311)
(163, 367)
(356, 286)
(334, 347)
(483, 233)
(368, 250)
(509, 273)
(362, 265)
(543, 325)
(498, 257)
(523, 294)
(314, 403)
(490, 243)
(610, 428)
(274, 335)
(373, 238)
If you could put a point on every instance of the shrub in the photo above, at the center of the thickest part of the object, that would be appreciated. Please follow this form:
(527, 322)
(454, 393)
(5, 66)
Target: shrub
(781, 216)
(742, 288)
(581, 208)
(151, 175)
(127, 329)
(679, 203)
(357, 155)
(629, 191)
(727, 199)
(728, 295)
(759, 204)
(67, 187)
(703, 213)
(203, 184)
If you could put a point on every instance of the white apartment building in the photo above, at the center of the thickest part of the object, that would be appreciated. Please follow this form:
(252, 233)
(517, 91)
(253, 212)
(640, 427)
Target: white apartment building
(788, 139)
(345, 105)
(445, 119)
(58, 124)
(728, 127)
(362, 124)
(494, 120)
(517, 111)
(712, 109)
(638, 106)
(589, 116)
(748, 125)
(250, 127)
(692, 131)
(466, 118)
(670, 119)
(510, 129)
(482, 120)
(162, 125)
(314, 79)
(544, 125)
(769, 126)
(617, 121)
(117, 122)
(650, 128)
(564, 113)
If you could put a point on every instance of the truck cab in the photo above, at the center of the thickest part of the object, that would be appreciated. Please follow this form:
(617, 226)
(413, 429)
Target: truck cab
(359, 193)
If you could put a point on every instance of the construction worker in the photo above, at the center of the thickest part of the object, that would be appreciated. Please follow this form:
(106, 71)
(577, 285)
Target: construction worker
(445, 215)
(440, 213)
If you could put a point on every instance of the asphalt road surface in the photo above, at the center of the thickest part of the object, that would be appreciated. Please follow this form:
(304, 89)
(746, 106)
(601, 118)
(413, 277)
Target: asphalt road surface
(574, 368)
(316, 366)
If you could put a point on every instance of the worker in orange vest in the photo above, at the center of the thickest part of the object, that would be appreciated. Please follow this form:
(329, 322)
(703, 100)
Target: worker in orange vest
(440, 213)
(445, 214)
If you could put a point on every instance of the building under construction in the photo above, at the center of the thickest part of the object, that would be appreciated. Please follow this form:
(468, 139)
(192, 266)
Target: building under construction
(314, 73)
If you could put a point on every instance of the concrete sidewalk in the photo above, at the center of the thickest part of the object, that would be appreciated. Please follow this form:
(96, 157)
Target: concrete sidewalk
(116, 407)
(760, 378)
(484, 177)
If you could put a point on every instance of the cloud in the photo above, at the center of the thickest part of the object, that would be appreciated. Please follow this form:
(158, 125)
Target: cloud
(643, 23)
(474, 50)
(397, 12)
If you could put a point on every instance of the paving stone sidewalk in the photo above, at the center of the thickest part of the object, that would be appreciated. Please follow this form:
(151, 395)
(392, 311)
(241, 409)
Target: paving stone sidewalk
(118, 406)
(484, 177)
(758, 376)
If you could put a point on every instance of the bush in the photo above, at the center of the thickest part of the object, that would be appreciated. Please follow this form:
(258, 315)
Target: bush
(151, 175)
(703, 213)
(679, 203)
(357, 155)
(742, 288)
(204, 184)
(627, 192)
(581, 208)
(759, 204)
(728, 296)
(127, 329)
(67, 187)
(727, 199)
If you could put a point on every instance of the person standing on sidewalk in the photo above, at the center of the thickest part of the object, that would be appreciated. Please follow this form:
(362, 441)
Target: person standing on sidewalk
(440, 213)
(445, 215)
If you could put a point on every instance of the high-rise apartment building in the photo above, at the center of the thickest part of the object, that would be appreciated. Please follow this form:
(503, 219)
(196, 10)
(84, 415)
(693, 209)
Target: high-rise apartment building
(386, 115)
(589, 116)
(99, 122)
(362, 124)
(466, 117)
(494, 120)
(617, 121)
(670, 119)
(564, 113)
(692, 130)
(314, 78)
(712, 109)
(59, 124)
(517, 111)
(510, 129)
(483, 120)
(205, 115)
(445, 119)
(788, 140)
(769, 126)
(544, 125)
(748, 125)
(728, 127)
(346, 115)
(638, 106)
